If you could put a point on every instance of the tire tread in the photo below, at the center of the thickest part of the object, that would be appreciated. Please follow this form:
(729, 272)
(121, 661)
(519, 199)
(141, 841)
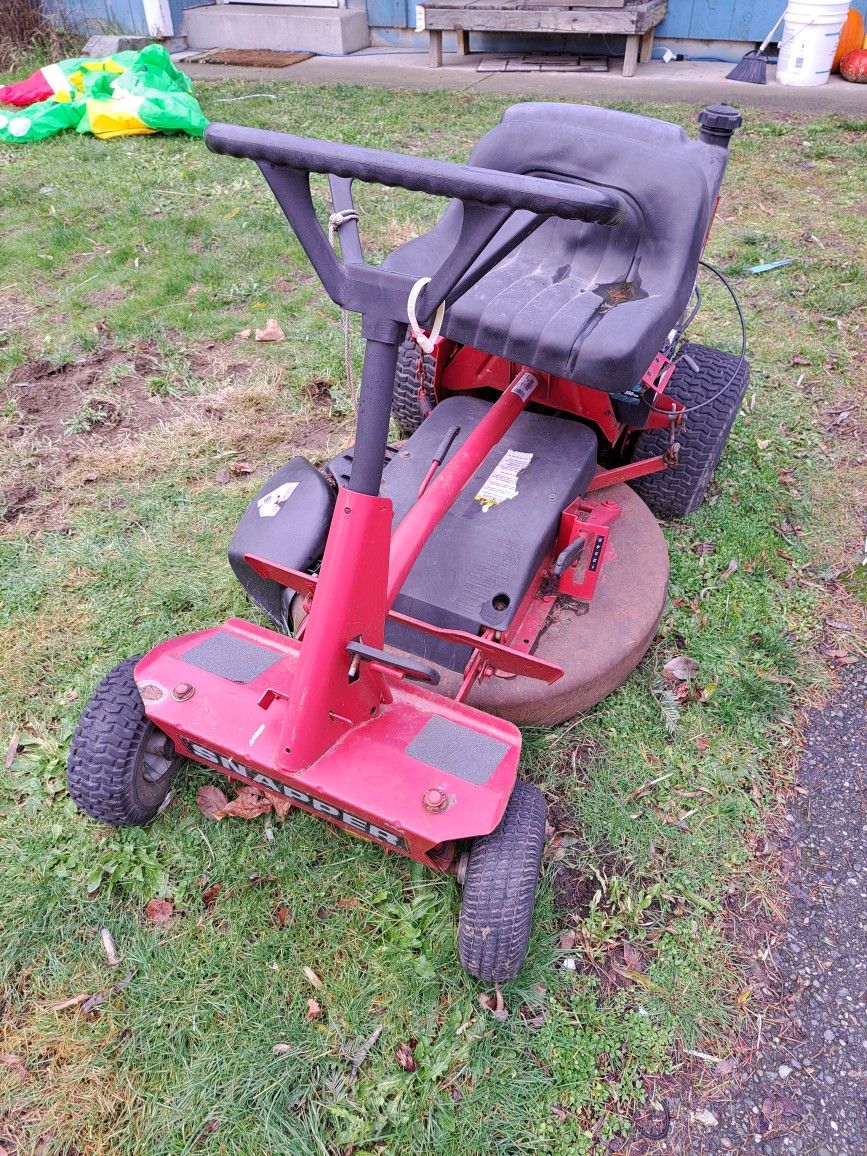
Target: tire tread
(500, 889)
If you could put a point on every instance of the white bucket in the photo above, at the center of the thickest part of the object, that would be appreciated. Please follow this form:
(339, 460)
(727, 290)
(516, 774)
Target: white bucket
(809, 41)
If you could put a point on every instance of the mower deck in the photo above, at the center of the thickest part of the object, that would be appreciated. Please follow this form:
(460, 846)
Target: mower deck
(597, 645)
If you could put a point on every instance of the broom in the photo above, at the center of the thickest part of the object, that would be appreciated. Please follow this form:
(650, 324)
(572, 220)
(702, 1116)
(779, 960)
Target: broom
(752, 68)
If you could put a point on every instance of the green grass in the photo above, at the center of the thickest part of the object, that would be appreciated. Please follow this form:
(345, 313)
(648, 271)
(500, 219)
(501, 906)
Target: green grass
(131, 267)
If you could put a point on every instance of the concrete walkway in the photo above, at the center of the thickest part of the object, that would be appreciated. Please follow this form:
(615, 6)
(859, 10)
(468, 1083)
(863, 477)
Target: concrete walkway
(690, 82)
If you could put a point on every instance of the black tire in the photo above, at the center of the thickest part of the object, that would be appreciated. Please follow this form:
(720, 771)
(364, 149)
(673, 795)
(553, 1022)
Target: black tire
(702, 437)
(500, 890)
(120, 766)
(409, 408)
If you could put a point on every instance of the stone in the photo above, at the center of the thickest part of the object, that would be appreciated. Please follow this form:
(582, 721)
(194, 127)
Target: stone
(705, 1117)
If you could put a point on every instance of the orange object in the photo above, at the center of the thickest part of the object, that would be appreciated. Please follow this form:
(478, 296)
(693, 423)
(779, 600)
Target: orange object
(851, 37)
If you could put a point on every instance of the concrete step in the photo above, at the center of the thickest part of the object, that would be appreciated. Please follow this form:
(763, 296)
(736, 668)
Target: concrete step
(333, 31)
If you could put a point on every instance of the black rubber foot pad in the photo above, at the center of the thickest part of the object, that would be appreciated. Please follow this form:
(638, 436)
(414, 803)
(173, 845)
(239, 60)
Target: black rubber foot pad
(231, 657)
(456, 749)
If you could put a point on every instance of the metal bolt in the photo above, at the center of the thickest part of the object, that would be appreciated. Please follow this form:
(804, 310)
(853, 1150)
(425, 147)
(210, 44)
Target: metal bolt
(434, 800)
(183, 691)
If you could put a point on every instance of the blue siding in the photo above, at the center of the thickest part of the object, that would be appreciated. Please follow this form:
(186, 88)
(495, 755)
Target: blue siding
(109, 16)
(720, 19)
(390, 13)
(114, 16)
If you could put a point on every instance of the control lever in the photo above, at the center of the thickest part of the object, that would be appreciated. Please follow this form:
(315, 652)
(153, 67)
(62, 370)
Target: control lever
(438, 458)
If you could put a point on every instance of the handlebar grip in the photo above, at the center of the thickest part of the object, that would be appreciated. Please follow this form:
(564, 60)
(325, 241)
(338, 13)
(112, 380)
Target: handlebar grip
(420, 174)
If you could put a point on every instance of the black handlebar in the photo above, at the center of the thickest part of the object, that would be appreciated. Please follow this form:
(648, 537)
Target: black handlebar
(468, 183)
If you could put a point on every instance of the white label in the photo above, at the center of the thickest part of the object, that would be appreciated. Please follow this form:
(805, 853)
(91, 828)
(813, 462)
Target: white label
(270, 504)
(525, 385)
(503, 482)
(419, 18)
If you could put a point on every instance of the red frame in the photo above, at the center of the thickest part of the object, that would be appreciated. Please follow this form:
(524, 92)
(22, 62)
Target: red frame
(329, 732)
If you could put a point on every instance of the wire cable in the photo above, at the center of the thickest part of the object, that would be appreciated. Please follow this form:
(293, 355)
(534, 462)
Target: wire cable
(741, 359)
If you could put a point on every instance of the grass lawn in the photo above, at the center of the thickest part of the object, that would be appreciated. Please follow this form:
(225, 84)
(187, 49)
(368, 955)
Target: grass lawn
(132, 414)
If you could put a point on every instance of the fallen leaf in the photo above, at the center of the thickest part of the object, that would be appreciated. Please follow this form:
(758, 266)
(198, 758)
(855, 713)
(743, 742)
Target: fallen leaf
(281, 915)
(495, 1005)
(73, 1001)
(832, 624)
(248, 804)
(364, 1051)
(159, 910)
(314, 1011)
(404, 1055)
(15, 1064)
(11, 751)
(109, 947)
(701, 743)
(211, 802)
(680, 669)
(312, 977)
(271, 332)
(94, 1001)
(207, 1129)
(282, 807)
(239, 468)
(209, 895)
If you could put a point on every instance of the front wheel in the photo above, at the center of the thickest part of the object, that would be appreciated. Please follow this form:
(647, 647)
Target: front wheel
(500, 890)
(120, 766)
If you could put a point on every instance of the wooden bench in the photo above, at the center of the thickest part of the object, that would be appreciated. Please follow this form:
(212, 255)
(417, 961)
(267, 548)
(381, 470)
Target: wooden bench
(636, 19)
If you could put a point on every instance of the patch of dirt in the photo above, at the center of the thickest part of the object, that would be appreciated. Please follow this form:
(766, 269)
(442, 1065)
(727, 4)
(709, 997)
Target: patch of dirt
(95, 420)
(572, 891)
(59, 401)
(15, 315)
(102, 298)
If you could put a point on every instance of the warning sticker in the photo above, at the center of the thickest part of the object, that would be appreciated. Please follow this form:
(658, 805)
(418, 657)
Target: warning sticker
(503, 482)
(269, 505)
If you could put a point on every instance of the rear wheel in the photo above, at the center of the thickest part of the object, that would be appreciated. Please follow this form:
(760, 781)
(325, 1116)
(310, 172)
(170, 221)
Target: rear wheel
(678, 491)
(411, 403)
(120, 766)
(500, 890)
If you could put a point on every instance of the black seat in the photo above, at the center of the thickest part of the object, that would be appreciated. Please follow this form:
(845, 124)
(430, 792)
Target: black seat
(590, 303)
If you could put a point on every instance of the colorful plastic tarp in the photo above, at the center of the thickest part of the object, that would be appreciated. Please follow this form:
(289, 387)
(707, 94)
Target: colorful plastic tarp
(124, 95)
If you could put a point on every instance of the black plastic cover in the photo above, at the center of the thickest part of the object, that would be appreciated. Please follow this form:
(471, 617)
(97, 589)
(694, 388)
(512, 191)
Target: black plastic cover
(479, 562)
(287, 523)
(591, 304)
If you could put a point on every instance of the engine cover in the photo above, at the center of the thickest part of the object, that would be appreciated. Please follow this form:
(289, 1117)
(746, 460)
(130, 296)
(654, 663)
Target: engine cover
(480, 560)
